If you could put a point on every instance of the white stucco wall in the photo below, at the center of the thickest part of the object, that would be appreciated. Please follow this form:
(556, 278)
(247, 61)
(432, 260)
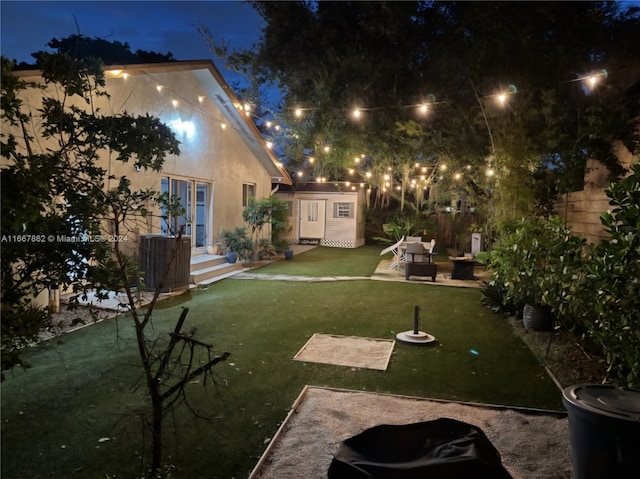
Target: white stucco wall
(209, 153)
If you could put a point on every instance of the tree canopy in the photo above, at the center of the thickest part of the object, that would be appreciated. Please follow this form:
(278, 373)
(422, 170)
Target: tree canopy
(488, 100)
(109, 53)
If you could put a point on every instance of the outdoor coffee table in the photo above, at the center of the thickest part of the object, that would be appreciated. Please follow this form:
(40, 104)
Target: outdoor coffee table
(462, 267)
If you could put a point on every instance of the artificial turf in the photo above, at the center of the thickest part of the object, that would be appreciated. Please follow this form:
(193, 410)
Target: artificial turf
(82, 389)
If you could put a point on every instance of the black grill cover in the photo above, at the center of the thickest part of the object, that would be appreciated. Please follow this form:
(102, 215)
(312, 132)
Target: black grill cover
(444, 448)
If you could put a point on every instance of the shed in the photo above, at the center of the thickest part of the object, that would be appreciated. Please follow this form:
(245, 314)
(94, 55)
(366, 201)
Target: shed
(325, 214)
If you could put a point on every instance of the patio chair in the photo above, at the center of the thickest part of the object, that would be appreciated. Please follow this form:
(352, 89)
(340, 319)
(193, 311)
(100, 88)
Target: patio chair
(395, 249)
(418, 263)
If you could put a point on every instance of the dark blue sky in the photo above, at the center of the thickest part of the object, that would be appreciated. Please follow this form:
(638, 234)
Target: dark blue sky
(159, 26)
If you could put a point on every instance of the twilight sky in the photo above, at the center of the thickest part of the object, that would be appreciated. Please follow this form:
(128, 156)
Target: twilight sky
(159, 26)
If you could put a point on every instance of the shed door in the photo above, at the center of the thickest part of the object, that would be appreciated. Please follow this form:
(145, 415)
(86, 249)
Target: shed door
(312, 219)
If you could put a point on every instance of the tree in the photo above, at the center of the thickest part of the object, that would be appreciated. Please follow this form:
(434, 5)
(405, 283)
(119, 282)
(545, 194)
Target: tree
(426, 79)
(260, 213)
(59, 235)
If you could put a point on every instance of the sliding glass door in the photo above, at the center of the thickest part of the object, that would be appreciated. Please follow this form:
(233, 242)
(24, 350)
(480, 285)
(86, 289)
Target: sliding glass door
(195, 198)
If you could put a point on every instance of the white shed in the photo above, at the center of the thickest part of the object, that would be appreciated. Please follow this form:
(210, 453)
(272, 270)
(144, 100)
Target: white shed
(326, 214)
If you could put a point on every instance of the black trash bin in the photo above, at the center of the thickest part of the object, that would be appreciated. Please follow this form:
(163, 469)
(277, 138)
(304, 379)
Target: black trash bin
(604, 430)
(439, 449)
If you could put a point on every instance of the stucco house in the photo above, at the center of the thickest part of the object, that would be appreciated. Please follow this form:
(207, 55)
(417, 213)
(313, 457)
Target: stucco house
(327, 214)
(223, 158)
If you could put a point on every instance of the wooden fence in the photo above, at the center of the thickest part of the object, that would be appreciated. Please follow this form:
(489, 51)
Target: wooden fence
(581, 212)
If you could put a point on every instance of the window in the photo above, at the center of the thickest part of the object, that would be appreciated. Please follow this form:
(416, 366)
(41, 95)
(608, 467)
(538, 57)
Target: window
(343, 210)
(290, 208)
(248, 189)
(312, 211)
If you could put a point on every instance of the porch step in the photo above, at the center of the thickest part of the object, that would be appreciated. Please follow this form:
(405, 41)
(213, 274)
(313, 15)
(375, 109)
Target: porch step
(206, 269)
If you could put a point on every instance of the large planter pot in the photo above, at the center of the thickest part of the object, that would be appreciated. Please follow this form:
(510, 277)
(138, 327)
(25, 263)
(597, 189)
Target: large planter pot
(232, 257)
(537, 317)
(288, 254)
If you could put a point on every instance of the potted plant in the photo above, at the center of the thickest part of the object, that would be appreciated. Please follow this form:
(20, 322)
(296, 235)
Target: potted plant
(235, 243)
(531, 264)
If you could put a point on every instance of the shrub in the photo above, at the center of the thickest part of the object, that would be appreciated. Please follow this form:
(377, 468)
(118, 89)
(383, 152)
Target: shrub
(236, 240)
(533, 263)
(611, 293)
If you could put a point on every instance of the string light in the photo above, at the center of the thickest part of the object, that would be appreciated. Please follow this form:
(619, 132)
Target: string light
(590, 81)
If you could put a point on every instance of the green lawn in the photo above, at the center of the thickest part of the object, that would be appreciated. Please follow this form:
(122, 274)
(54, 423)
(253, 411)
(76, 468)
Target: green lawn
(81, 387)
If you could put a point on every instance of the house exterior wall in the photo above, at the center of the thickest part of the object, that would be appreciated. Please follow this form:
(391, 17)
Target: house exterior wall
(209, 153)
(339, 232)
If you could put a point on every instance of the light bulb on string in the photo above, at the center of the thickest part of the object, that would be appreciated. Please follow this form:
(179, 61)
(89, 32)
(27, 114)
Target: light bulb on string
(298, 112)
(592, 80)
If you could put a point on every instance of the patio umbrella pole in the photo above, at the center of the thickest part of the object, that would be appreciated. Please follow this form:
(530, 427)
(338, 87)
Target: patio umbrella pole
(416, 336)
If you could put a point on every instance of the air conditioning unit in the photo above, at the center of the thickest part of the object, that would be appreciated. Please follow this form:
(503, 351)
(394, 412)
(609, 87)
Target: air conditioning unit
(155, 253)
